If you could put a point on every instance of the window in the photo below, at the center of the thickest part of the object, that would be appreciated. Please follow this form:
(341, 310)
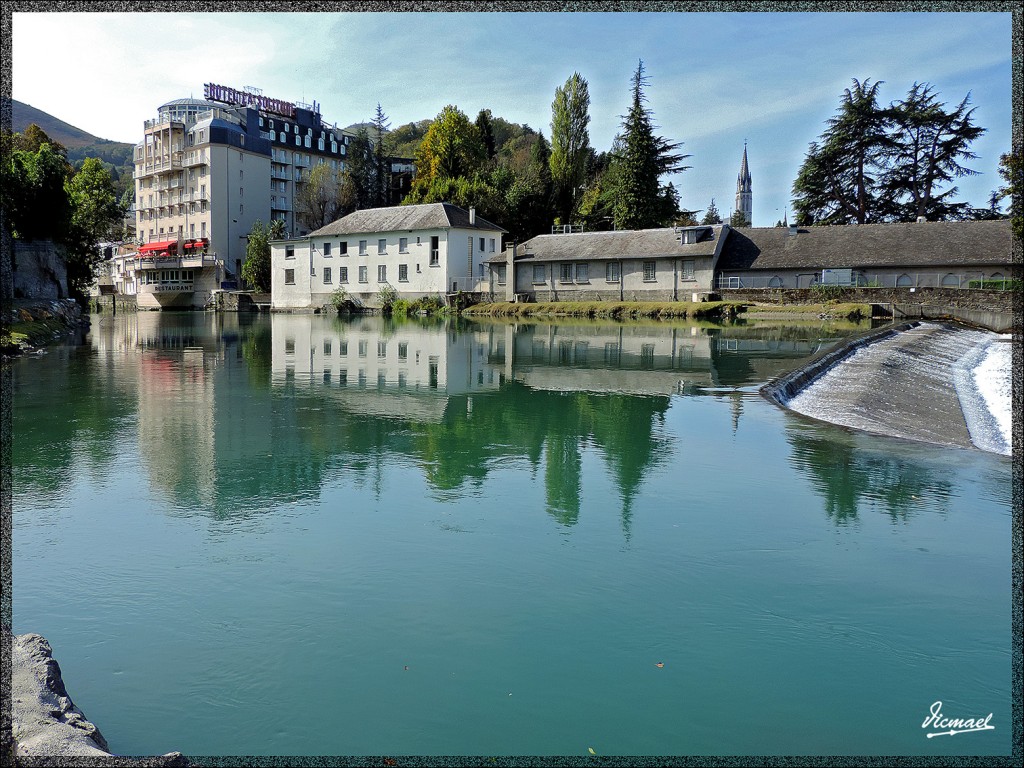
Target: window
(327, 249)
(363, 275)
(539, 274)
(342, 274)
(403, 350)
(775, 282)
(565, 273)
(362, 247)
(327, 347)
(502, 271)
(289, 252)
(298, 140)
(689, 236)
(403, 273)
(950, 281)
(582, 273)
(382, 349)
(649, 273)
(382, 273)
(482, 241)
(687, 270)
(435, 250)
(307, 141)
(492, 245)
(611, 272)
(382, 246)
(327, 275)
(289, 277)
(343, 248)
(403, 245)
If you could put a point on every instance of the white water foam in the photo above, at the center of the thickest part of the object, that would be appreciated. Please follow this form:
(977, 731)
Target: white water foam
(992, 379)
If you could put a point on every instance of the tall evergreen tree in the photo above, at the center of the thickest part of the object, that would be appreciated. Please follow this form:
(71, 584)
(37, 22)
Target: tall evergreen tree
(839, 179)
(358, 179)
(643, 159)
(381, 160)
(928, 145)
(570, 143)
(483, 123)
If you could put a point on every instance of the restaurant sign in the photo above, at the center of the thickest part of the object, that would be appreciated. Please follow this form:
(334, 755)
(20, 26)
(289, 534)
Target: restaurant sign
(232, 96)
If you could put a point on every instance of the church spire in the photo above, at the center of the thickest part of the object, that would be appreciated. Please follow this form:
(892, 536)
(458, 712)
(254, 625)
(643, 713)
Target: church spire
(744, 194)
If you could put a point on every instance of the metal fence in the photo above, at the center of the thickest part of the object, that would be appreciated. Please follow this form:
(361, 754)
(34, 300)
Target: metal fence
(954, 280)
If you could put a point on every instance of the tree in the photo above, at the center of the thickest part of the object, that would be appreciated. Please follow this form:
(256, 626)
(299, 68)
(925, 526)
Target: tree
(381, 160)
(570, 143)
(712, 216)
(356, 184)
(318, 201)
(643, 159)
(738, 219)
(928, 145)
(483, 124)
(96, 215)
(1011, 168)
(452, 148)
(256, 268)
(837, 182)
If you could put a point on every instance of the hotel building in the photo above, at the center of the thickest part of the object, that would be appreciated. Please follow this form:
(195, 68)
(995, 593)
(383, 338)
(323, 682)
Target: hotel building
(207, 169)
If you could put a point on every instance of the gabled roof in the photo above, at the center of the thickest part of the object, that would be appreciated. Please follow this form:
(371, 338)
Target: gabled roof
(924, 244)
(405, 218)
(621, 244)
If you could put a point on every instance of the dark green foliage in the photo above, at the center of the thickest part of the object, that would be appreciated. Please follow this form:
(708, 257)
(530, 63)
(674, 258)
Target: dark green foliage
(382, 148)
(893, 163)
(356, 190)
(642, 160)
(570, 144)
(483, 124)
(1011, 168)
(712, 216)
(256, 268)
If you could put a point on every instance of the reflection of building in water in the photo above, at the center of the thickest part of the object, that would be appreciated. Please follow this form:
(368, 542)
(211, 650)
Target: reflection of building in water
(403, 371)
(647, 359)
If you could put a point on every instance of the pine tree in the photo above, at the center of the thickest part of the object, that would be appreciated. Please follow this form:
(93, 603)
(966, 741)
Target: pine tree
(643, 159)
(712, 216)
(381, 193)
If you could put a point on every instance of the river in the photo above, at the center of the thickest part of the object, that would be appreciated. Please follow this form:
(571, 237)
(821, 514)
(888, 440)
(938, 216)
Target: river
(302, 535)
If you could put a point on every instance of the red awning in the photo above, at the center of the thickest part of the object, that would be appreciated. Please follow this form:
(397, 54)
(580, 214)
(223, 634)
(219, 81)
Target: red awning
(164, 246)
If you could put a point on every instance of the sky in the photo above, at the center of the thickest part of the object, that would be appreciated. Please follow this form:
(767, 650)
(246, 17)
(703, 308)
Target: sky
(715, 80)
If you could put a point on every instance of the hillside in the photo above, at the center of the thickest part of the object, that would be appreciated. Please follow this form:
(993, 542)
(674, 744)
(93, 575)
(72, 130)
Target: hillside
(116, 155)
(23, 115)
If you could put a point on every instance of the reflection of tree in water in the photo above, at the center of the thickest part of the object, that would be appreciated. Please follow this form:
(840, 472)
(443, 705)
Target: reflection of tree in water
(848, 476)
(552, 427)
(84, 422)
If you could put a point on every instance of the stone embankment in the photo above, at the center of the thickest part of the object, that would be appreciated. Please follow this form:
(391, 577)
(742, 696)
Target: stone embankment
(45, 723)
(32, 324)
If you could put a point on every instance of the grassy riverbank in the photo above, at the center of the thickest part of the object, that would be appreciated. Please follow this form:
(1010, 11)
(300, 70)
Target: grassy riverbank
(828, 310)
(610, 309)
(34, 325)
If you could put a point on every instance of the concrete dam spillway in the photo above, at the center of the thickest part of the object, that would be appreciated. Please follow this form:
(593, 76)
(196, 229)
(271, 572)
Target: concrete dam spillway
(931, 382)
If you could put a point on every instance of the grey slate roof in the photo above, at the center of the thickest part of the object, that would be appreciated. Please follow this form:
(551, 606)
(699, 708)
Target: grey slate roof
(404, 218)
(622, 244)
(938, 243)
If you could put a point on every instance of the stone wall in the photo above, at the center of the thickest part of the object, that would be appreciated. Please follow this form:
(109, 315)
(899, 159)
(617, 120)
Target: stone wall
(114, 302)
(39, 270)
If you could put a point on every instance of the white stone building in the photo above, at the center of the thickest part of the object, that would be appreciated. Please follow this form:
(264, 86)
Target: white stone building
(435, 249)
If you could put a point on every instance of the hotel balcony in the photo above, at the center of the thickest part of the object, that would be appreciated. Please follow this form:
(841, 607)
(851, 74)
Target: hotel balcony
(186, 261)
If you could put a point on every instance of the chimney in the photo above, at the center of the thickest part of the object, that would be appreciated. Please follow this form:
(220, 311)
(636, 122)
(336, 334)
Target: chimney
(472, 215)
(792, 229)
(921, 219)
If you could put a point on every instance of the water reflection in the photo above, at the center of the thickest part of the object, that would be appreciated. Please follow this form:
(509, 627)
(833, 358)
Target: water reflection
(850, 476)
(229, 415)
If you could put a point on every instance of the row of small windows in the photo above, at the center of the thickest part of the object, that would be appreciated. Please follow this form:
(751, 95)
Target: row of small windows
(327, 248)
(580, 272)
(327, 274)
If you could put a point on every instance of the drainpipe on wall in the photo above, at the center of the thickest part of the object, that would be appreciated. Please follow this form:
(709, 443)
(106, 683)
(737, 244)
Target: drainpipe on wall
(622, 279)
(675, 279)
(510, 274)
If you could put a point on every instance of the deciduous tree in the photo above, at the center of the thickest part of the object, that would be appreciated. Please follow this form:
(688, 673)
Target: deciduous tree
(570, 143)
(256, 268)
(319, 200)
(452, 148)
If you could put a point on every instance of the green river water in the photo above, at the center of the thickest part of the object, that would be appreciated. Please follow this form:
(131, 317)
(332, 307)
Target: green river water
(302, 535)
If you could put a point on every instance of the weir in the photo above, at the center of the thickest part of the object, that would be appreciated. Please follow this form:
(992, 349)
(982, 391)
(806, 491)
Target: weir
(913, 381)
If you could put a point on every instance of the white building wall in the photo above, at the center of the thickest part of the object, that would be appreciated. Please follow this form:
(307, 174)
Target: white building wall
(455, 266)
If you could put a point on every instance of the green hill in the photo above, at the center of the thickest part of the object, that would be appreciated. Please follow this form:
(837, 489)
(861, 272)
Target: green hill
(116, 155)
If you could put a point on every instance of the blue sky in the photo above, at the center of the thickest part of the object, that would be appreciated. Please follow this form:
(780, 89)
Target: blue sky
(716, 79)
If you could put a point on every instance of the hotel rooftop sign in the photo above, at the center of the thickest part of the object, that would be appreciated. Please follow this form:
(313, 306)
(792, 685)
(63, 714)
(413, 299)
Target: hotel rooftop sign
(232, 96)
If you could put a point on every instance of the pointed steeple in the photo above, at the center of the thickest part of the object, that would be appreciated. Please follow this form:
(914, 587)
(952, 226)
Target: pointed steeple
(744, 193)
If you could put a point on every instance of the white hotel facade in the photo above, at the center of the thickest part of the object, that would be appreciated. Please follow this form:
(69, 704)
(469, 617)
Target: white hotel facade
(207, 169)
(432, 249)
